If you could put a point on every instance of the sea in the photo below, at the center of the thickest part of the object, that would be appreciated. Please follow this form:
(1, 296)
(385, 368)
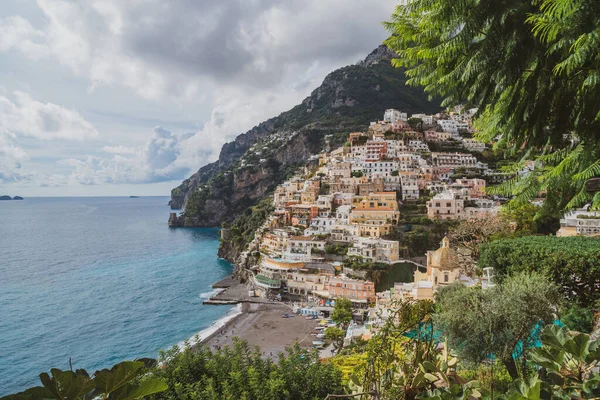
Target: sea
(99, 280)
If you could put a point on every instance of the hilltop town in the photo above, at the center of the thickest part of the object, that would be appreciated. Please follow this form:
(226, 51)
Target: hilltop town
(331, 224)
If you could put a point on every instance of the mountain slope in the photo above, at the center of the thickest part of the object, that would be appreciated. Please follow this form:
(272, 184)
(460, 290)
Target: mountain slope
(255, 162)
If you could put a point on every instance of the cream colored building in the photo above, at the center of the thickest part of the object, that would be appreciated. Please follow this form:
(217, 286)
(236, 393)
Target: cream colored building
(442, 270)
(580, 222)
(376, 250)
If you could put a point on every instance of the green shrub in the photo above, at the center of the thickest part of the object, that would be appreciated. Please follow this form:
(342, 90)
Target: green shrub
(571, 262)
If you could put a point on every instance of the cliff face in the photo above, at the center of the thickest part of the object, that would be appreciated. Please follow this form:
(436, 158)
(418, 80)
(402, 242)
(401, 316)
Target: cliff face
(252, 165)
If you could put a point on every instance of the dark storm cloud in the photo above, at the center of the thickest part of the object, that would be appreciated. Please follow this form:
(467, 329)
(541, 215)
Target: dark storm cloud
(252, 42)
(203, 37)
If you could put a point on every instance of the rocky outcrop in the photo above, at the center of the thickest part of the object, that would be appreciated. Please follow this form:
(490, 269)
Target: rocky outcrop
(230, 153)
(174, 222)
(5, 197)
(253, 164)
(381, 53)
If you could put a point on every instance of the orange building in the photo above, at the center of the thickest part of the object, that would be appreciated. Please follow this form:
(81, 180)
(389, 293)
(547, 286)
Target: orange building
(354, 289)
(375, 209)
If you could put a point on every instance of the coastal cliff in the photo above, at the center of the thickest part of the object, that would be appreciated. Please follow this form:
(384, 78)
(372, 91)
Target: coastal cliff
(253, 164)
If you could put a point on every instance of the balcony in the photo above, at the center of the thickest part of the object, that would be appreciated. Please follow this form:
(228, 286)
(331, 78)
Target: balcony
(267, 282)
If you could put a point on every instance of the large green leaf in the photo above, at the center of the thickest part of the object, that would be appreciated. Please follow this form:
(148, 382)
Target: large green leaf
(109, 380)
(578, 346)
(68, 385)
(138, 391)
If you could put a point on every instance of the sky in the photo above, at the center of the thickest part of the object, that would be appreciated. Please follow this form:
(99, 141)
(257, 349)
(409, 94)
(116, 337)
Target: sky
(118, 98)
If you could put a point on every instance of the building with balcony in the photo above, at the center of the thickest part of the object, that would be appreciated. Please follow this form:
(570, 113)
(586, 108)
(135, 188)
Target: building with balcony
(453, 159)
(276, 269)
(356, 290)
(391, 115)
(580, 222)
(449, 204)
(375, 250)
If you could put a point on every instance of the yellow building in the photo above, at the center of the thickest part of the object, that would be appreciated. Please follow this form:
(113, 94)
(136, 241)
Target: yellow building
(309, 197)
(442, 270)
(373, 230)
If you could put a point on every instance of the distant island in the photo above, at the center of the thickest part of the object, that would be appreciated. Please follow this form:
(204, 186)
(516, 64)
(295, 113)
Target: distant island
(134, 197)
(6, 197)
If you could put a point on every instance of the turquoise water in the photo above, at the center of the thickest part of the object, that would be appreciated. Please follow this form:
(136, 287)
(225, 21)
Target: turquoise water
(99, 280)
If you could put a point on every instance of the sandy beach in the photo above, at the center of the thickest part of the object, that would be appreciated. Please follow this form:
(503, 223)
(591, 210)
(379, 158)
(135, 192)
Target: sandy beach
(262, 325)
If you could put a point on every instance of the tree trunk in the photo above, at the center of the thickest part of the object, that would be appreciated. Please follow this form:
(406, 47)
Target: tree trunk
(511, 367)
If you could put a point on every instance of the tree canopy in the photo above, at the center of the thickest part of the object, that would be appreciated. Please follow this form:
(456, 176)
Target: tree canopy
(571, 262)
(533, 70)
(498, 321)
(342, 312)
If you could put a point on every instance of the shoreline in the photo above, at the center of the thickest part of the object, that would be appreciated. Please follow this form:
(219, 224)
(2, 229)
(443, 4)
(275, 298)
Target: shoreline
(207, 333)
(263, 325)
(257, 321)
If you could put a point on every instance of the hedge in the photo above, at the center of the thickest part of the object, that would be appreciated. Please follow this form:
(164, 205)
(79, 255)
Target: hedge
(571, 262)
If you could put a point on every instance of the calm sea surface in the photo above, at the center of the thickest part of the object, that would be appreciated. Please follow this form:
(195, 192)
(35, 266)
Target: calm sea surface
(99, 280)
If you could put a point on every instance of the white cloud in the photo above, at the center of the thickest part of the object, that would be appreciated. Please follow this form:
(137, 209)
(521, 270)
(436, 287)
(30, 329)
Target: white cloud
(180, 47)
(17, 33)
(11, 158)
(250, 59)
(119, 149)
(24, 116)
(156, 161)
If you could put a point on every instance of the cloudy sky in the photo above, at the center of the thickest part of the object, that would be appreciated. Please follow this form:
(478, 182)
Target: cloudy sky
(115, 97)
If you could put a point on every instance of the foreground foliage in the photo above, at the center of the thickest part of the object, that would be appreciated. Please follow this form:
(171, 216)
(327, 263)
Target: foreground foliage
(128, 380)
(241, 373)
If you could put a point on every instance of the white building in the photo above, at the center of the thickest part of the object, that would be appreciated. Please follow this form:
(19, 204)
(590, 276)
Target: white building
(418, 146)
(453, 160)
(478, 207)
(377, 250)
(448, 125)
(391, 116)
(580, 222)
(410, 188)
(320, 226)
(473, 145)
(427, 119)
(376, 169)
(342, 214)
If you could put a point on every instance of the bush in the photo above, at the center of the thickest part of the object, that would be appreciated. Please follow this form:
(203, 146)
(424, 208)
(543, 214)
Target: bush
(571, 262)
(337, 249)
(241, 373)
(578, 318)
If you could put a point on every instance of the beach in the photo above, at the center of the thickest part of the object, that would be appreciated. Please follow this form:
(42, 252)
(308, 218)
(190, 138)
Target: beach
(263, 325)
